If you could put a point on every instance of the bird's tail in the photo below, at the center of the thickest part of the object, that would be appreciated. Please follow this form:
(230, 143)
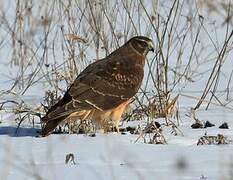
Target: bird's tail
(50, 125)
(56, 114)
(52, 119)
(59, 112)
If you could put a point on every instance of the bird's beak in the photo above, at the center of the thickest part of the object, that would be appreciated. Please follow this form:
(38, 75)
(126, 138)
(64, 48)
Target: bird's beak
(151, 47)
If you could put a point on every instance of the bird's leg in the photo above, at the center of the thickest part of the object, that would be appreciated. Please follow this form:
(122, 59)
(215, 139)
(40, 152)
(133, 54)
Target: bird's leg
(117, 126)
(115, 121)
(101, 125)
(116, 114)
(101, 118)
(104, 125)
(116, 118)
(99, 122)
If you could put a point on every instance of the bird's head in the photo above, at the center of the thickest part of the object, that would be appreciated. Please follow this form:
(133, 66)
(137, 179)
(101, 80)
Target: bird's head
(141, 44)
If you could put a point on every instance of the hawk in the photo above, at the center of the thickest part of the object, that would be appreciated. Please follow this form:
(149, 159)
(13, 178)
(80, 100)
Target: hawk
(103, 89)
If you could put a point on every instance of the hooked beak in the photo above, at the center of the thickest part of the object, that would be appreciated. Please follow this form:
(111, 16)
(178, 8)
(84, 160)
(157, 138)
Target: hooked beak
(151, 47)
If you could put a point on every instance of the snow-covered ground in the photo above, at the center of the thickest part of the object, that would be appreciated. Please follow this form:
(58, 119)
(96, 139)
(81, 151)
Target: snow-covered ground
(115, 156)
(112, 157)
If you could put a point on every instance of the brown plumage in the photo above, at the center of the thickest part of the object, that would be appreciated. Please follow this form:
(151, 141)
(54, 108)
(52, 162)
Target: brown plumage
(103, 90)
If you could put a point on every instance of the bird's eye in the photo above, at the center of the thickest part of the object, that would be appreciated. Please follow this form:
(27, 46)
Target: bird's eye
(142, 43)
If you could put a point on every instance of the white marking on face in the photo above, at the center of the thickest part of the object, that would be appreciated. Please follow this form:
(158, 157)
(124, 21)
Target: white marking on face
(148, 42)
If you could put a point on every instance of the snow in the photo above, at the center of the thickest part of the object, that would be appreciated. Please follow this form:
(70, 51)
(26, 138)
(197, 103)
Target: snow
(110, 157)
(114, 156)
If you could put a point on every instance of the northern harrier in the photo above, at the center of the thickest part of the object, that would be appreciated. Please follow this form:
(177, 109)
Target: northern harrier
(104, 89)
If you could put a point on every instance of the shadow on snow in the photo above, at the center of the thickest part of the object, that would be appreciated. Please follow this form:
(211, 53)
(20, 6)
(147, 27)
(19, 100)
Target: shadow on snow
(19, 132)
